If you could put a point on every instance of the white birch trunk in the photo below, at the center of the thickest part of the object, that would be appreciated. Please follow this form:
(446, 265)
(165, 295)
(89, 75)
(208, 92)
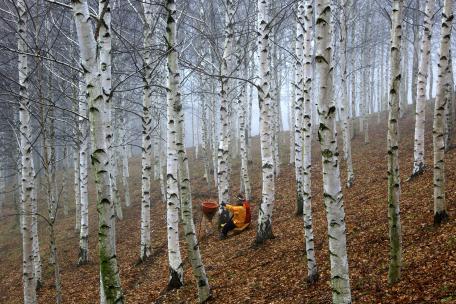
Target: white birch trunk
(312, 270)
(77, 188)
(176, 275)
(353, 81)
(146, 156)
(275, 95)
(223, 157)
(404, 79)
(27, 176)
(418, 151)
(298, 123)
(125, 170)
(206, 145)
(65, 170)
(449, 107)
(327, 135)
(394, 183)
(344, 109)
(83, 177)
(186, 203)
(292, 104)
(37, 265)
(440, 204)
(156, 151)
(97, 99)
(264, 230)
(245, 180)
(114, 158)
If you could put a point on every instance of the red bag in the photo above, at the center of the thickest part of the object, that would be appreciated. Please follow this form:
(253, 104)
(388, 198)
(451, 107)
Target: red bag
(248, 215)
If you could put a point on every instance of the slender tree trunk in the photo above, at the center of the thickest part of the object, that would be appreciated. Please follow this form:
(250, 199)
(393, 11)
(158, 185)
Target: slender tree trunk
(176, 274)
(366, 100)
(264, 231)
(37, 265)
(206, 145)
(78, 91)
(27, 176)
(327, 134)
(110, 287)
(125, 170)
(312, 270)
(449, 107)
(275, 94)
(418, 151)
(440, 205)
(186, 202)
(404, 79)
(83, 178)
(394, 183)
(298, 123)
(292, 104)
(242, 137)
(65, 168)
(224, 144)
(416, 49)
(353, 81)
(146, 156)
(344, 109)
(113, 160)
(49, 164)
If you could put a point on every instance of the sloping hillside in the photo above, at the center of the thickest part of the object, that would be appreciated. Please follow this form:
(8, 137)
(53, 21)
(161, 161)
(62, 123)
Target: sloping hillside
(275, 272)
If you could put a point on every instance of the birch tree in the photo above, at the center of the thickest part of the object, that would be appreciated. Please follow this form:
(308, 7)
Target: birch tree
(420, 114)
(224, 144)
(186, 201)
(394, 183)
(93, 66)
(146, 155)
(312, 270)
(176, 274)
(27, 176)
(327, 135)
(242, 101)
(83, 178)
(299, 102)
(344, 109)
(440, 205)
(264, 230)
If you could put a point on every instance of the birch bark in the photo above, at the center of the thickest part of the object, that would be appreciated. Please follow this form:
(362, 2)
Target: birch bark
(327, 135)
(312, 270)
(440, 205)
(186, 205)
(224, 144)
(344, 109)
(146, 155)
(176, 274)
(83, 177)
(243, 136)
(299, 89)
(420, 115)
(27, 176)
(394, 183)
(93, 66)
(264, 230)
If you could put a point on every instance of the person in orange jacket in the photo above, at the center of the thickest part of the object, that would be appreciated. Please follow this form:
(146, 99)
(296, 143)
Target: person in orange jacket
(238, 218)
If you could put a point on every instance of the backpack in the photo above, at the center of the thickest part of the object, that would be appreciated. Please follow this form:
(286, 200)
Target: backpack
(248, 215)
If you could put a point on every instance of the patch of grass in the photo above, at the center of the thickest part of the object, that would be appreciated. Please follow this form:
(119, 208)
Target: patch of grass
(452, 241)
(448, 299)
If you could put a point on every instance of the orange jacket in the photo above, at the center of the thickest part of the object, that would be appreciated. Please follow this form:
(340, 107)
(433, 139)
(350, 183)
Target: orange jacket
(238, 214)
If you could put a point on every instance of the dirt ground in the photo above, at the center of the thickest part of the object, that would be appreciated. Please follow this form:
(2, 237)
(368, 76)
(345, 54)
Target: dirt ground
(275, 272)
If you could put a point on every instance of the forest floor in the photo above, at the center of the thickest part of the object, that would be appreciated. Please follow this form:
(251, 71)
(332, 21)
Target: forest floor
(275, 272)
